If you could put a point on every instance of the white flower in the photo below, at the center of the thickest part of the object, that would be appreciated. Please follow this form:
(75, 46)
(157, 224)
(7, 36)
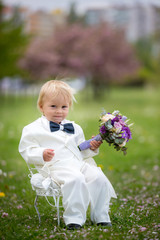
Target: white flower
(106, 117)
(116, 112)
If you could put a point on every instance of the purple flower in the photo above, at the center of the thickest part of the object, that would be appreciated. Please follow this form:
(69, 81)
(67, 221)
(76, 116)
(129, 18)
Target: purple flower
(126, 133)
(122, 122)
(116, 119)
(102, 129)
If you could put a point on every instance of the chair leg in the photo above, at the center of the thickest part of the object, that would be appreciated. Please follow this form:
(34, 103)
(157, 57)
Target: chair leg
(58, 217)
(35, 205)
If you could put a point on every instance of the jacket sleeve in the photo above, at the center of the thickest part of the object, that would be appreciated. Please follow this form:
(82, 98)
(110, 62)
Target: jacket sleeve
(30, 149)
(88, 153)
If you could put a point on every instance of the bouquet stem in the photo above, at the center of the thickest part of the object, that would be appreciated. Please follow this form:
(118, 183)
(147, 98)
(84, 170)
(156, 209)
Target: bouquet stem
(86, 144)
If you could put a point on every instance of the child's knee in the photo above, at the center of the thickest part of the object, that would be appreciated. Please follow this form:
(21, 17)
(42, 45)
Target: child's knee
(78, 179)
(100, 178)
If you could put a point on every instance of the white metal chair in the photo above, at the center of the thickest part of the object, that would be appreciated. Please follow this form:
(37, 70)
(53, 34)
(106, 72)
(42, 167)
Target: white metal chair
(45, 187)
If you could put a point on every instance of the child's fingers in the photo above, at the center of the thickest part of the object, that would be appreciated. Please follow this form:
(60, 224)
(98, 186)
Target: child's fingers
(48, 158)
(50, 152)
(50, 155)
(95, 144)
(96, 140)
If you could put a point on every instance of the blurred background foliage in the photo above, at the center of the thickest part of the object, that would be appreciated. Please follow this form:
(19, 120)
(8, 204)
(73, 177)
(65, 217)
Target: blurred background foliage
(13, 42)
(100, 54)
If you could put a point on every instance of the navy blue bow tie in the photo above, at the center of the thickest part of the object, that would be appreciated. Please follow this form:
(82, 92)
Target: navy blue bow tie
(67, 127)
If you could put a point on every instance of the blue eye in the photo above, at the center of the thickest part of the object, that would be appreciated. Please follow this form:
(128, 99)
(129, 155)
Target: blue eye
(53, 105)
(64, 106)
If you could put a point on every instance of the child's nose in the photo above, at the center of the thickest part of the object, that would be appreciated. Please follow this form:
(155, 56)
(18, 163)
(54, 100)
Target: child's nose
(58, 110)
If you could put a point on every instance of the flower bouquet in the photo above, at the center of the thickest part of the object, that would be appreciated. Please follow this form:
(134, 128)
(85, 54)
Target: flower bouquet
(114, 129)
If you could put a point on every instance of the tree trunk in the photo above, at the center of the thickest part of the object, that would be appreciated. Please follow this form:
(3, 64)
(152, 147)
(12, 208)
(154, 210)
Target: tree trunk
(99, 88)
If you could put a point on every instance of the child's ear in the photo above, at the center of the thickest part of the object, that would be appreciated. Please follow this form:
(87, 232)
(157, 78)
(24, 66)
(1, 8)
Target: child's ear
(41, 108)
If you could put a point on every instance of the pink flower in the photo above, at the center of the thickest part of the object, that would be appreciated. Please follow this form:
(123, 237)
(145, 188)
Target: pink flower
(122, 122)
(118, 127)
(19, 207)
(124, 199)
(51, 236)
(142, 229)
(4, 214)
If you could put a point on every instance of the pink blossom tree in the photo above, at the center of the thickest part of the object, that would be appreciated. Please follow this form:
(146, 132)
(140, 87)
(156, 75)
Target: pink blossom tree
(99, 53)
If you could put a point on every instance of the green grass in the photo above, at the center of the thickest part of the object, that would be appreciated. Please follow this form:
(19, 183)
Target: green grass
(135, 177)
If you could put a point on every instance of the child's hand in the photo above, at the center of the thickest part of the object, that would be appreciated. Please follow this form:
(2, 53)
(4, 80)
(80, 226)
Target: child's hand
(48, 154)
(95, 144)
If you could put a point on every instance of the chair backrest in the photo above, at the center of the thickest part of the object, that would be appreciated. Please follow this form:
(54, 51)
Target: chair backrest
(44, 186)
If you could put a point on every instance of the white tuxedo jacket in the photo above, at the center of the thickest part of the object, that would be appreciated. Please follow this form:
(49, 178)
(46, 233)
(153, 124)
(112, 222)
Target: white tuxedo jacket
(37, 136)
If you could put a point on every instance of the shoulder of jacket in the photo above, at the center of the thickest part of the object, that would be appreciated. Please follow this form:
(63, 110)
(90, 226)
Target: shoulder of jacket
(33, 124)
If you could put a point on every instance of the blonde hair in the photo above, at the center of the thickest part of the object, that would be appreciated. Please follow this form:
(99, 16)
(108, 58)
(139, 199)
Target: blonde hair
(55, 88)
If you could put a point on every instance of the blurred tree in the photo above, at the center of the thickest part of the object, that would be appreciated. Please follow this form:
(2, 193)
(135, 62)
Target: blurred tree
(98, 53)
(12, 43)
(144, 52)
(73, 17)
(148, 52)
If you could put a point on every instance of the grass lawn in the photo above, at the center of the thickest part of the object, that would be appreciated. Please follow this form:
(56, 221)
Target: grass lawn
(135, 177)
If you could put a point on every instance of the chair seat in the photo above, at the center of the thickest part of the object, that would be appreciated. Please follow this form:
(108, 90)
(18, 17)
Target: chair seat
(48, 193)
(38, 181)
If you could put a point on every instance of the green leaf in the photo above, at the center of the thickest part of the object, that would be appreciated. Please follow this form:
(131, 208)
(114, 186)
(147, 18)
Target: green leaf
(119, 140)
(108, 122)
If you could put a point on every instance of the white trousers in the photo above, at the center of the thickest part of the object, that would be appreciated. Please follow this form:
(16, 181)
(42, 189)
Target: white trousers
(80, 188)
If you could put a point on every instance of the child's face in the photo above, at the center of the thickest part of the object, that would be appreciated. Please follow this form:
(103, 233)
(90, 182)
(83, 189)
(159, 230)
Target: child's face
(55, 109)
